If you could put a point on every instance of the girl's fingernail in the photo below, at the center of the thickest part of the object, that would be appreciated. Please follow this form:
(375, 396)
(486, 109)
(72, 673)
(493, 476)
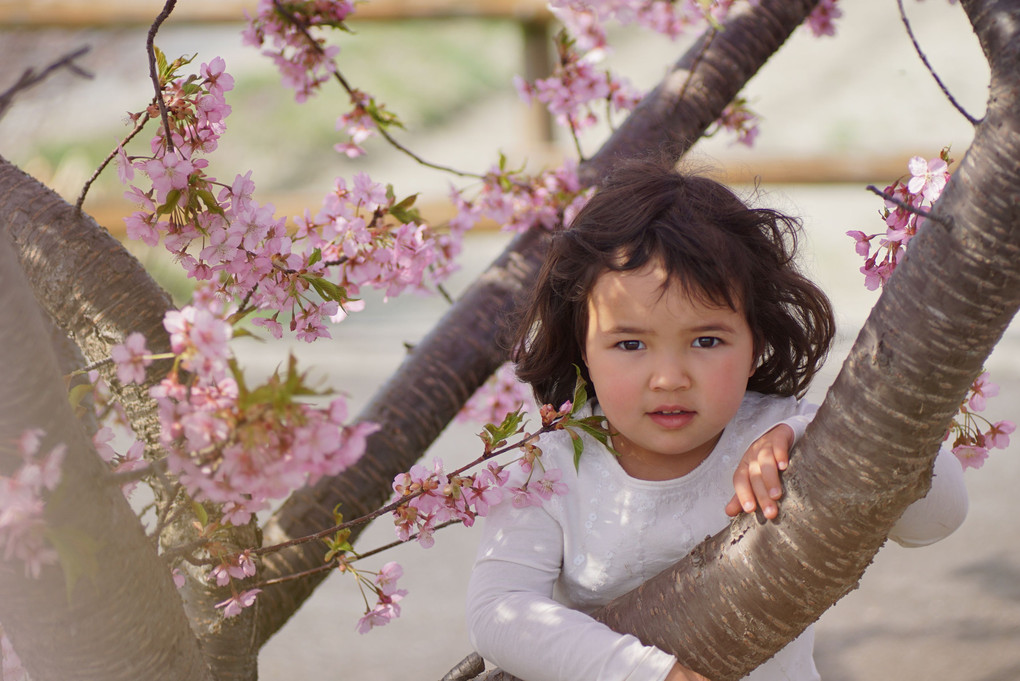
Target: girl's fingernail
(749, 506)
(775, 492)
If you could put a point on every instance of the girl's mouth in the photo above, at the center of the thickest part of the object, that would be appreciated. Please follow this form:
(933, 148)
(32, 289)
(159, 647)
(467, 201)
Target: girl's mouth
(671, 418)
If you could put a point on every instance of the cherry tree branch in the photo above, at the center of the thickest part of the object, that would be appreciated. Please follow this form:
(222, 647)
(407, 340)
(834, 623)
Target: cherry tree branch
(151, 52)
(927, 65)
(30, 78)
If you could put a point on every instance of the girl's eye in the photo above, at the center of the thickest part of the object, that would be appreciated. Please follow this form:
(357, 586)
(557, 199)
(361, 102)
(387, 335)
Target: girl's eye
(630, 345)
(706, 342)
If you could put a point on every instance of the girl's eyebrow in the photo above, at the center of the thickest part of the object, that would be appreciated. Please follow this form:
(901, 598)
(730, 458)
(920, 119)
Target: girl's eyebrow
(709, 328)
(718, 327)
(626, 330)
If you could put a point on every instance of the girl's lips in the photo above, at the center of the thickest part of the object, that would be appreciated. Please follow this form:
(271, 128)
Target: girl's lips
(671, 418)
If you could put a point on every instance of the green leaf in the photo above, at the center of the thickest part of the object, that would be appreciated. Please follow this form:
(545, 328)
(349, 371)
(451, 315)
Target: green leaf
(200, 513)
(78, 554)
(580, 392)
(404, 210)
(315, 257)
(496, 436)
(578, 448)
(326, 289)
(210, 201)
(78, 393)
(161, 66)
(171, 202)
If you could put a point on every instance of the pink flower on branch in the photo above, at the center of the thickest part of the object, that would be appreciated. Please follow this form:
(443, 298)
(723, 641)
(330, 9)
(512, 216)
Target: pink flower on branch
(238, 602)
(293, 40)
(131, 358)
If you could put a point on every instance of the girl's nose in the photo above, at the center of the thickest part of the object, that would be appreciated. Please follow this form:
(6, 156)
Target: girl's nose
(670, 375)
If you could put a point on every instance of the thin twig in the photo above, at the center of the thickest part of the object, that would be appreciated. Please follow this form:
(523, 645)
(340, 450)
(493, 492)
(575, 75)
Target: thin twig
(333, 563)
(397, 503)
(910, 209)
(302, 26)
(150, 50)
(30, 78)
(142, 120)
(924, 60)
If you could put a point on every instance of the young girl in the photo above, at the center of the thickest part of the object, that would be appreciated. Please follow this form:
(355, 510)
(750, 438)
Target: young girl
(696, 336)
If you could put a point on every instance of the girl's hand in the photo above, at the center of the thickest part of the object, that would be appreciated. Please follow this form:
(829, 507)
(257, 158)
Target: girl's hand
(678, 673)
(756, 481)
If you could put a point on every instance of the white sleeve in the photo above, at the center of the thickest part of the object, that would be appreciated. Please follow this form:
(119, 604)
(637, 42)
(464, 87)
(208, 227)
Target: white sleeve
(936, 515)
(803, 413)
(514, 622)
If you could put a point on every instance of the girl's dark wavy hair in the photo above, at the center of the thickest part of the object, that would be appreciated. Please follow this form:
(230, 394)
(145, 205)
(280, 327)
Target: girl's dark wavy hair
(719, 250)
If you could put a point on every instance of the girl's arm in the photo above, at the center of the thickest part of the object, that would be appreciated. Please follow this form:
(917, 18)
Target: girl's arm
(756, 482)
(943, 509)
(514, 622)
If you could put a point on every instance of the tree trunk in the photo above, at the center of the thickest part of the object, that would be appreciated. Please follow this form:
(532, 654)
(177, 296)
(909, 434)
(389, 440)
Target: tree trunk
(103, 626)
(449, 364)
(99, 293)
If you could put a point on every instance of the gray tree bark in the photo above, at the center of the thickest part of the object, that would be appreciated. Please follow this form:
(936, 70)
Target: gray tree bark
(122, 617)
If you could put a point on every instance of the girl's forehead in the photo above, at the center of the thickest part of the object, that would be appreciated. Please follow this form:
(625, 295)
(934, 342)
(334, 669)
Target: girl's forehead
(653, 282)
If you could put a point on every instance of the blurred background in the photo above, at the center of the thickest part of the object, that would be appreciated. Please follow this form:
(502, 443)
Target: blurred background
(837, 113)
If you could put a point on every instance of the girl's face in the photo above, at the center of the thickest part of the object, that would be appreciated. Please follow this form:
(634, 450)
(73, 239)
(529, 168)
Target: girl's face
(670, 372)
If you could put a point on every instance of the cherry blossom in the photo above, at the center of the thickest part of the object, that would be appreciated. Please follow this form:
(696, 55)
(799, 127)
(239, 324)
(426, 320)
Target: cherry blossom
(981, 390)
(501, 394)
(238, 602)
(131, 358)
(22, 524)
(928, 178)
(821, 21)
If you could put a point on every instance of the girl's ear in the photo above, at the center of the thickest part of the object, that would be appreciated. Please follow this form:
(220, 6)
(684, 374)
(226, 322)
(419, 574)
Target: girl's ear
(759, 350)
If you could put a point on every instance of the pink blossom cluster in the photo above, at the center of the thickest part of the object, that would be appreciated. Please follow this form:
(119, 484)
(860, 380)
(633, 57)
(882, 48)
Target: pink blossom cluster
(11, 668)
(518, 202)
(131, 460)
(304, 59)
(373, 240)
(902, 216)
(436, 498)
(497, 397)
(238, 566)
(586, 19)
(973, 436)
(236, 446)
(429, 498)
(22, 526)
(388, 596)
(362, 236)
(358, 123)
(576, 86)
(738, 119)
(822, 19)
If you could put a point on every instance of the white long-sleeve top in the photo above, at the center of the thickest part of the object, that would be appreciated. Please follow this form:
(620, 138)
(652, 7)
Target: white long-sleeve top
(541, 570)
